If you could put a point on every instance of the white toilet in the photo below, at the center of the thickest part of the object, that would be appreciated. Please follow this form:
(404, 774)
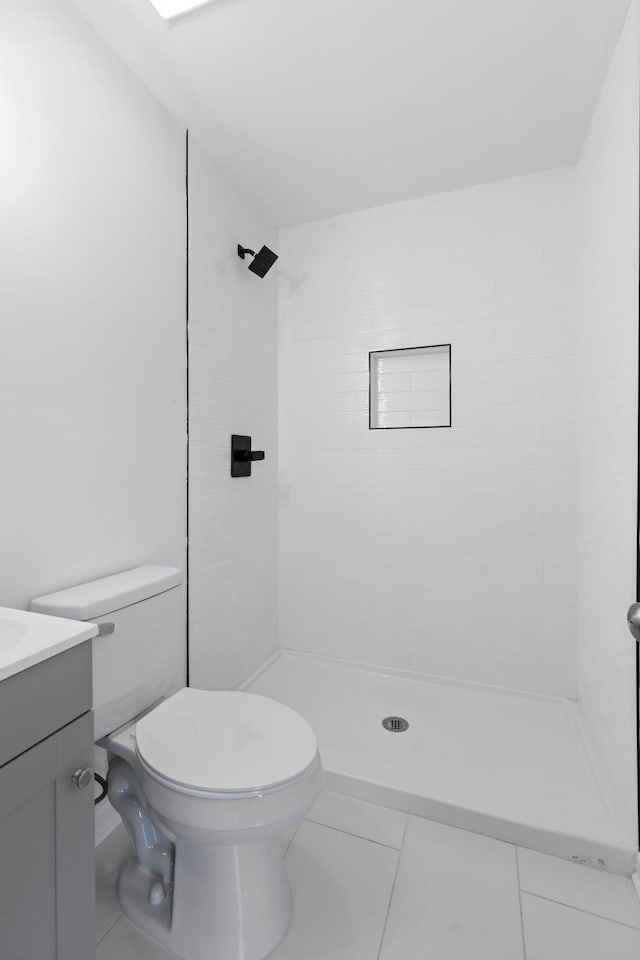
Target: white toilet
(207, 783)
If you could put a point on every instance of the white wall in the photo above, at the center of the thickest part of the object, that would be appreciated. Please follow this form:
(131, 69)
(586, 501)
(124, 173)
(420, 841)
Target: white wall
(450, 551)
(608, 413)
(233, 370)
(92, 281)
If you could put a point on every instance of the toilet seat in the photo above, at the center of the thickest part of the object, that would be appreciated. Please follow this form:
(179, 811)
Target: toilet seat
(224, 743)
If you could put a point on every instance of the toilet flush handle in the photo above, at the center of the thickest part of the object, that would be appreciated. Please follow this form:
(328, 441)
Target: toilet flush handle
(82, 777)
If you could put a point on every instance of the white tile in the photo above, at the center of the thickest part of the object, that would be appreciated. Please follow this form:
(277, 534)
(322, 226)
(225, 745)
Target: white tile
(233, 388)
(341, 889)
(585, 888)
(456, 897)
(125, 942)
(555, 932)
(359, 817)
(512, 365)
(111, 853)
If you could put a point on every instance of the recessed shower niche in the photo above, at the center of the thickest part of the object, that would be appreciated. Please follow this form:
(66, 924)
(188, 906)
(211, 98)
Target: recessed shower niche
(410, 387)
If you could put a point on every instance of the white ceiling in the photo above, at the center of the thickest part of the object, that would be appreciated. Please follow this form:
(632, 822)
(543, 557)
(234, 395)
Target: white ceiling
(319, 107)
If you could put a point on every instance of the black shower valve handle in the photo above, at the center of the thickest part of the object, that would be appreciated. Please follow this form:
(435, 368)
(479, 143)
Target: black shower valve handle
(247, 456)
(242, 456)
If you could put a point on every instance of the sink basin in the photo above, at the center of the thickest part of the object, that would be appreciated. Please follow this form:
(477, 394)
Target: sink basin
(11, 632)
(28, 638)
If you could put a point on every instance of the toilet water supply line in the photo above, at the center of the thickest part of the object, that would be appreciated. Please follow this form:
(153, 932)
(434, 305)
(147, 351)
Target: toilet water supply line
(103, 788)
(154, 852)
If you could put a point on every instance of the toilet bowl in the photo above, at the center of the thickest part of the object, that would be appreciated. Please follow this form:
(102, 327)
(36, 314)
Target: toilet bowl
(209, 785)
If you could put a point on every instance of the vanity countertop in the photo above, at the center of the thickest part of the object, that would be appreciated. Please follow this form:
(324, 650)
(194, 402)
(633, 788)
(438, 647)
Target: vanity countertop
(29, 638)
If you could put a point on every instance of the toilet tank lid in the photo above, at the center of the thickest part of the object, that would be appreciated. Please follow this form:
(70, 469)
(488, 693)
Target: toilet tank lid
(90, 600)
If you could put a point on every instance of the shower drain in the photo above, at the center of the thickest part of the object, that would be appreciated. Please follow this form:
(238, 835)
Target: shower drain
(395, 724)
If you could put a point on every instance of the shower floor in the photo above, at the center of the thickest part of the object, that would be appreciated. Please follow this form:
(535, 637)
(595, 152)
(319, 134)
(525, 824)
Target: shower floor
(511, 765)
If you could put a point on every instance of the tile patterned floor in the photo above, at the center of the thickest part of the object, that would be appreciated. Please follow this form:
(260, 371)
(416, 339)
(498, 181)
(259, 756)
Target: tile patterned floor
(372, 883)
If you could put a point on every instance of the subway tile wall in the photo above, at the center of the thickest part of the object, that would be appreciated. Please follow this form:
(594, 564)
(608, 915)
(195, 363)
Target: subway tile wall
(447, 551)
(232, 389)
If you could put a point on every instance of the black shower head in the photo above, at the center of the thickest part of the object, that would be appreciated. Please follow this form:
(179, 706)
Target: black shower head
(262, 261)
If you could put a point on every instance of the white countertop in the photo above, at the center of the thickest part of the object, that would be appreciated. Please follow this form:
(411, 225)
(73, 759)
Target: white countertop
(29, 638)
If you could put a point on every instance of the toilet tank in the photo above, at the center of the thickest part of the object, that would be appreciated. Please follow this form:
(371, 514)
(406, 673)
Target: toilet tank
(140, 654)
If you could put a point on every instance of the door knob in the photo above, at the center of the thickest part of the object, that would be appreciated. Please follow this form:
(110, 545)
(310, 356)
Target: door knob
(82, 777)
(633, 620)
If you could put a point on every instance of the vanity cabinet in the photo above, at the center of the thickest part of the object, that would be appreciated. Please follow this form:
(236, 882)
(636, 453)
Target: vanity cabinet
(47, 898)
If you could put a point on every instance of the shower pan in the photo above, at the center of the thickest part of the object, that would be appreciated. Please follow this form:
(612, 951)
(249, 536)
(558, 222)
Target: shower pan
(507, 764)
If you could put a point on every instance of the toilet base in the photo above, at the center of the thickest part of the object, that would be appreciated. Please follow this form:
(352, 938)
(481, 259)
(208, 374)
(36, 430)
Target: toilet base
(227, 902)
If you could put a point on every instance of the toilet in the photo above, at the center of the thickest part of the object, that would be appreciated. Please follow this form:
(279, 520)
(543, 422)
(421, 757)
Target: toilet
(209, 784)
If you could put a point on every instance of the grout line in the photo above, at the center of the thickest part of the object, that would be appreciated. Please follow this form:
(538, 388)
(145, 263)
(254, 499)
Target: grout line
(358, 836)
(393, 890)
(295, 834)
(589, 913)
(110, 927)
(164, 952)
(524, 943)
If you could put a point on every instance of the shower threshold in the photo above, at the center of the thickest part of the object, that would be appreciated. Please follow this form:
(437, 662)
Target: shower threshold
(511, 765)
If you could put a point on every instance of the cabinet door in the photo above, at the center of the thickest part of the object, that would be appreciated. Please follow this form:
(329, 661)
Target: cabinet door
(47, 905)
